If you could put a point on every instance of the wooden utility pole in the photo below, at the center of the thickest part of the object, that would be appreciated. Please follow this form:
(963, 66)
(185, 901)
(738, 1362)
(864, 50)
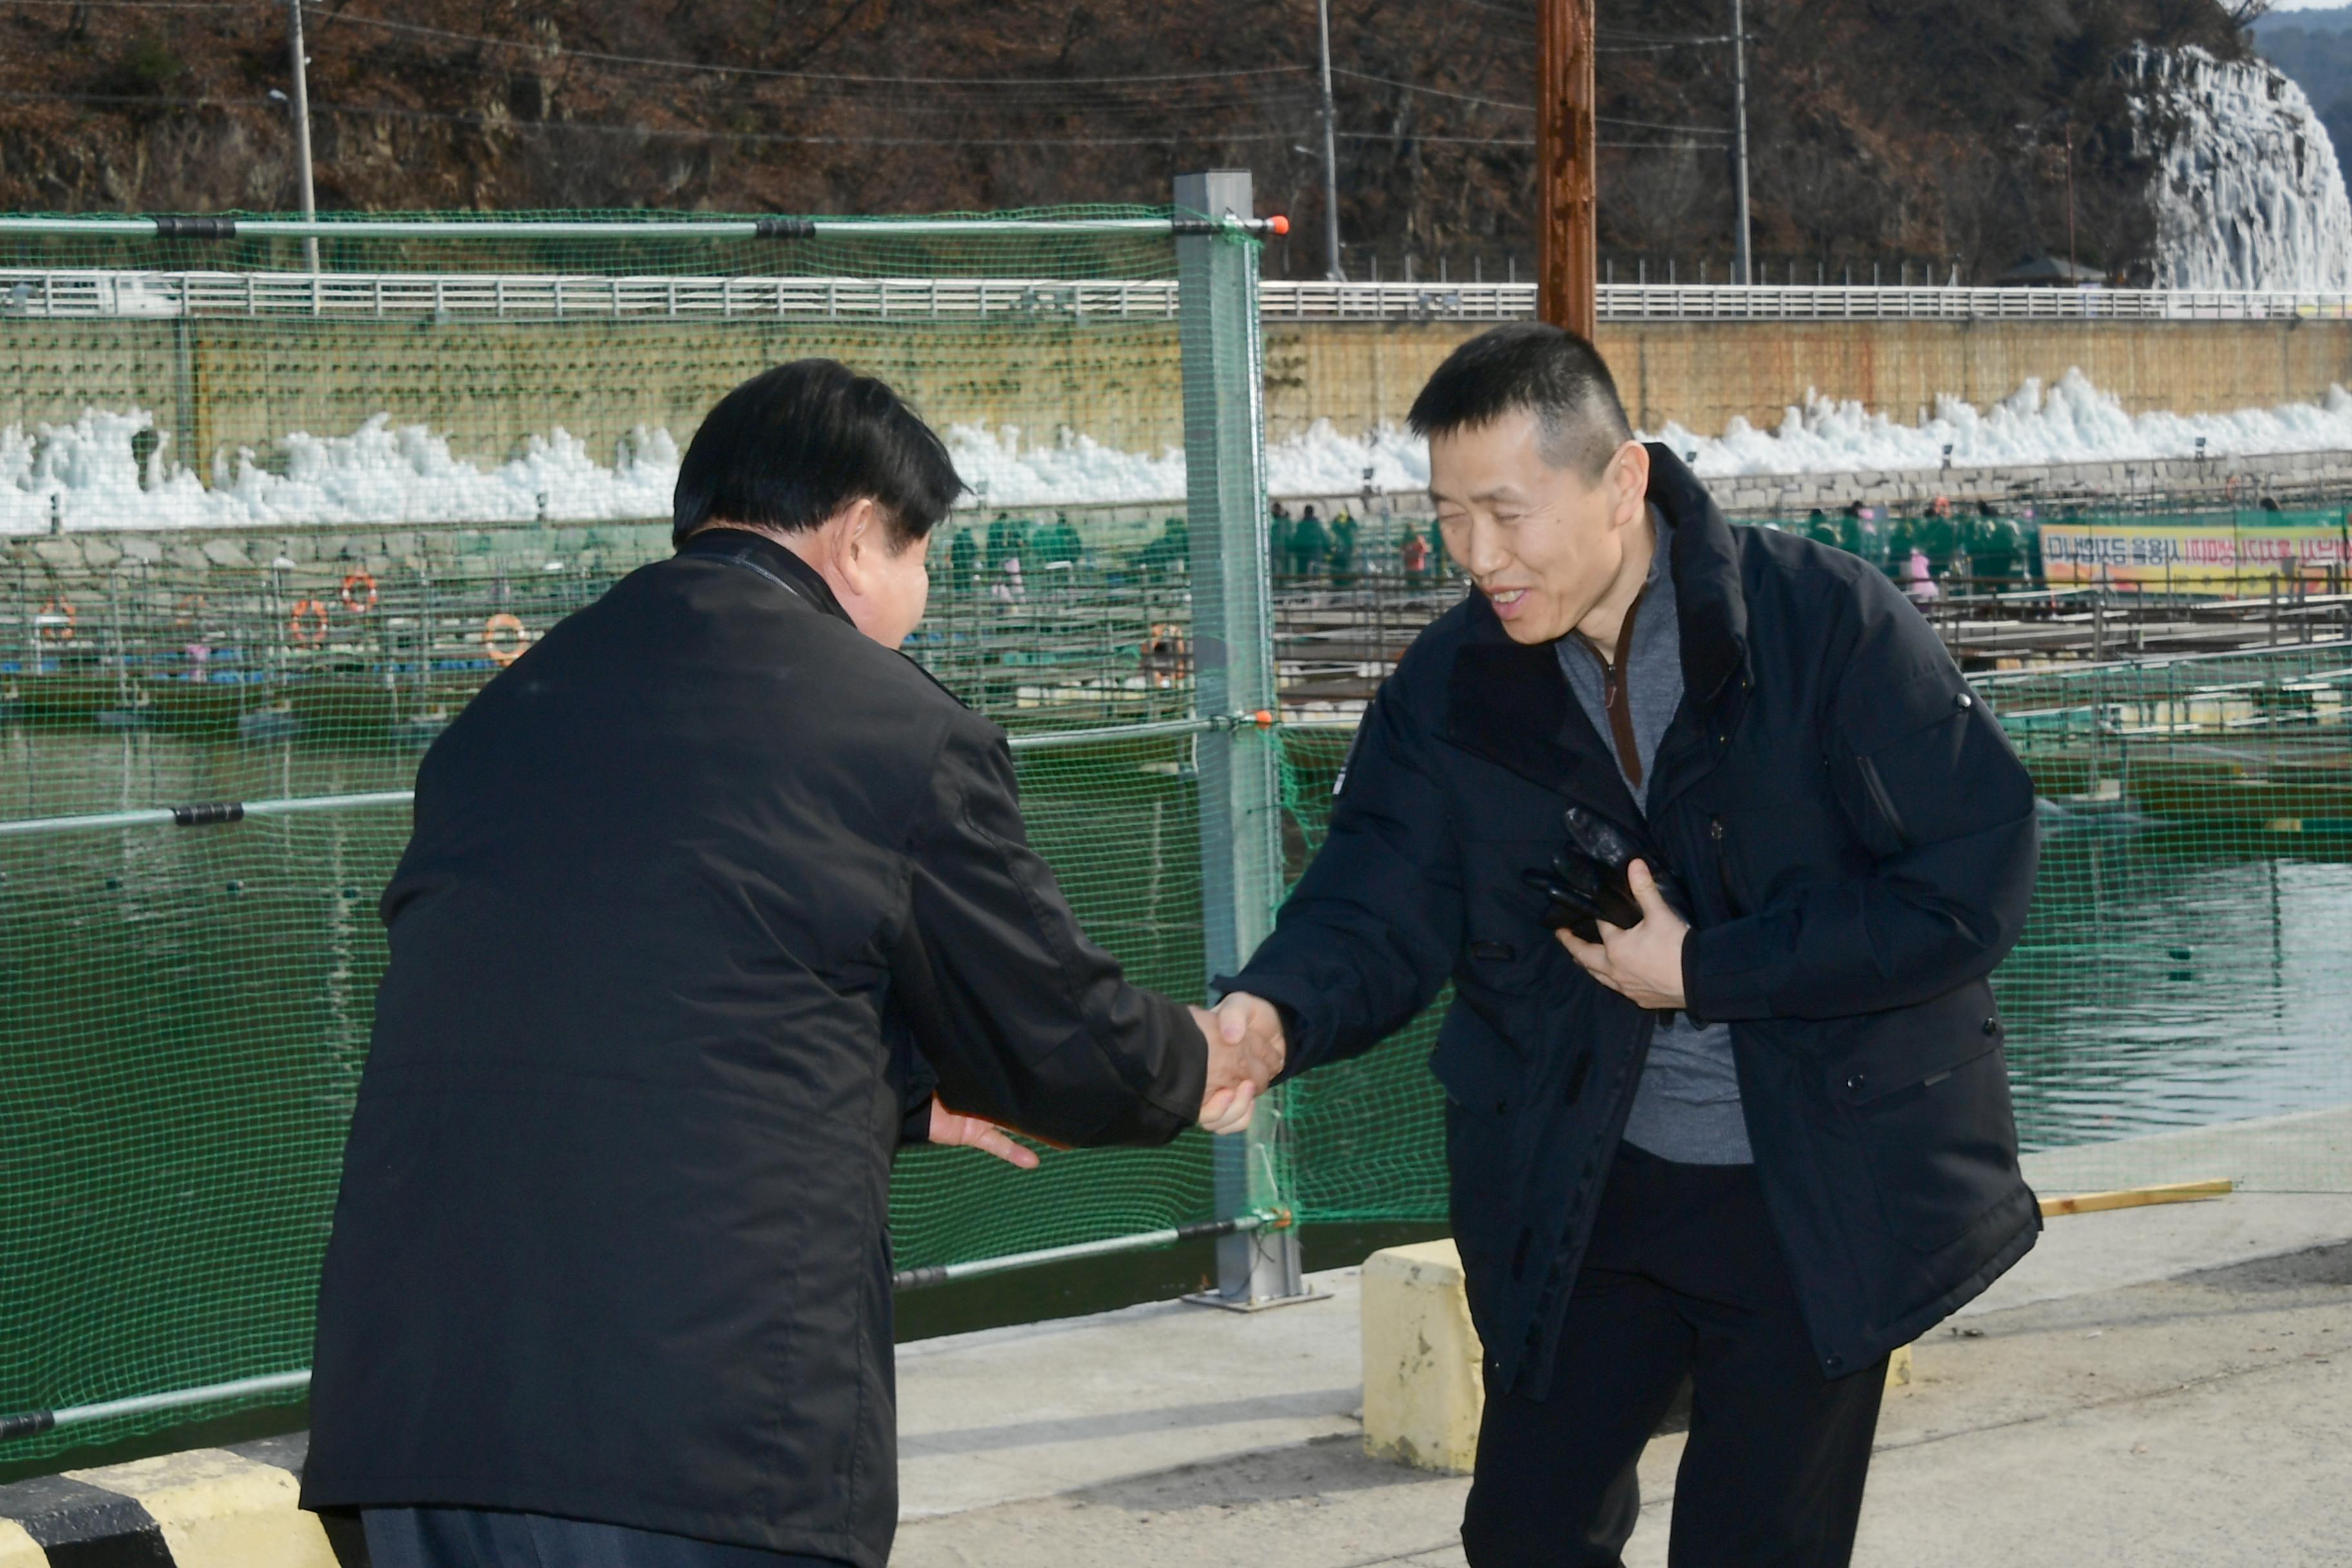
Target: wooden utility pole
(1567, 177)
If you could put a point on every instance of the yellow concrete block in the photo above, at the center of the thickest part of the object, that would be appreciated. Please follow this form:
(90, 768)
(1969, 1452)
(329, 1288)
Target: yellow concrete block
(1423, 1393)
(219, 1509)
(18, 1549)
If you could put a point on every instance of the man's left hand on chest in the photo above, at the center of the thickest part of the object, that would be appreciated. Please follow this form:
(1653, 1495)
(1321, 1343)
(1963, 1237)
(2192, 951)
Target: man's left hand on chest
(1643, 964)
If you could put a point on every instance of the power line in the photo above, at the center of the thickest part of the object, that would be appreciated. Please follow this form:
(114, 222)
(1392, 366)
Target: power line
(1660, 125)
(1207, 97)
(1523, 141)
(1529, 108)
(150, 5)
(1667, 40)
(607, 57)
(1433, 91)
(605, 128)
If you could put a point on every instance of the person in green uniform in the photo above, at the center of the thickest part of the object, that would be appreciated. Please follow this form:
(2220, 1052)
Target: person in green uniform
(1939, 537)
(1277, 542)
(1008, 540)
(963, 561)
(1310, 544)
(1168, 555)
(1056, 542)
(1995, 549)
(1343, 549)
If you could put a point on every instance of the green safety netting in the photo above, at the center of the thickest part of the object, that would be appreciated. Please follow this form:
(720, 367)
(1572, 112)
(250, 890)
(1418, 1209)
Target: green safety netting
(264, 531)
(2180, 1006)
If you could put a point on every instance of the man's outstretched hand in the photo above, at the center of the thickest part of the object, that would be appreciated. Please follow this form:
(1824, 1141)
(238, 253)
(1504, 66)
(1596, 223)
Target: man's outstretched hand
(975, 1133)
(1643, 963)
(1246, 1051)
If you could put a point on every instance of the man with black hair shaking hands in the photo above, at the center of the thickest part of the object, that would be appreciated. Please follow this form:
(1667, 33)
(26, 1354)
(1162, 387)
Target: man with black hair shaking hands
(706, 892)
(1718, 850)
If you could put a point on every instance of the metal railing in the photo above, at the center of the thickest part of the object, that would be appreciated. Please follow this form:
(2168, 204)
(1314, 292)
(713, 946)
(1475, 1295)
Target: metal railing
(1801, 302)
(94, 293)
(77, 293)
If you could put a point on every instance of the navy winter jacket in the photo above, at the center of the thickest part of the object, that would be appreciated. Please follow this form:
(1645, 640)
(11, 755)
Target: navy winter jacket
(1857, 839)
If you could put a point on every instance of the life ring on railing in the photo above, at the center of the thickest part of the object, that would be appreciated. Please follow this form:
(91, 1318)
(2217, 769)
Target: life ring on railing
(308, 624)
(505, 652)
(358, 587)
(56, 621)
(1167, 655)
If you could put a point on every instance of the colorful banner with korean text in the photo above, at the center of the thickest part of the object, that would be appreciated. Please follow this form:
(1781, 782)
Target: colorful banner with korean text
(2244, 553)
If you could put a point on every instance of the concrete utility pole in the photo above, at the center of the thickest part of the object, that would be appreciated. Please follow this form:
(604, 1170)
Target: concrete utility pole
(1566, 180)
(1331, 269)
(302, 128)
(1747, 272)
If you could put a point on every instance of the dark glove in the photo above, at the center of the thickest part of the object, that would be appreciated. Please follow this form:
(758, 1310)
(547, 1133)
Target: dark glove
(1587, 883)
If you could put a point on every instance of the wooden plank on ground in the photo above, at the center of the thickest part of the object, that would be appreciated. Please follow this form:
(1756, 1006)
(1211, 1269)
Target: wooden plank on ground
(2135, 1197)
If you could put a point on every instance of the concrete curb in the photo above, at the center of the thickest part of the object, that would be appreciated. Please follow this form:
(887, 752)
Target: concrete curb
(206, 1508)
(1423, 1396)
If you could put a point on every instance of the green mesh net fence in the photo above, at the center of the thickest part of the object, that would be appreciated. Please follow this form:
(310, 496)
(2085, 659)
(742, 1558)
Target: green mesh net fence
(265, 530)
(2178, 1007)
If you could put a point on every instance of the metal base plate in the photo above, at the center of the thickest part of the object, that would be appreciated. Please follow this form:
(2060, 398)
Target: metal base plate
(1263, 1304)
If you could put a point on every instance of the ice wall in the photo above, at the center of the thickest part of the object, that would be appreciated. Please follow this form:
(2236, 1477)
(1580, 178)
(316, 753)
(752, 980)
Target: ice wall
(87, 474)
(2248, 194)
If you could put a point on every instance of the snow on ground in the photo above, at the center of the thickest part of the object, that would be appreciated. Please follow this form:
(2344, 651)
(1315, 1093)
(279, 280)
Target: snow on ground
(2072, 422)
(1321, 462)
(89, 474)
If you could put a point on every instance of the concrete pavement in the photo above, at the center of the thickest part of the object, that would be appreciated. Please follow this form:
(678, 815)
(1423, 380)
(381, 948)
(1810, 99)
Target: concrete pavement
(2150, 1386)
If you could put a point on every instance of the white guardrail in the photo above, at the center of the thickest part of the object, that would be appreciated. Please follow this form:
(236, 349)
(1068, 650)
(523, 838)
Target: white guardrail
(62, 293)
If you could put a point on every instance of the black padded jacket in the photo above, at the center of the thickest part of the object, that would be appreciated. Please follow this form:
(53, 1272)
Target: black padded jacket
(1858, 842)
(611, 1241)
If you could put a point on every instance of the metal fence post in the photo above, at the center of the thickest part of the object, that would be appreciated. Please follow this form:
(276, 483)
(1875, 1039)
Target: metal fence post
(1232, 652)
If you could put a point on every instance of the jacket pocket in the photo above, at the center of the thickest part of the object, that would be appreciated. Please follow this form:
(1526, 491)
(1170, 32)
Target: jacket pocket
(1479, 1073)
(1927, 1098)
(1911, 733)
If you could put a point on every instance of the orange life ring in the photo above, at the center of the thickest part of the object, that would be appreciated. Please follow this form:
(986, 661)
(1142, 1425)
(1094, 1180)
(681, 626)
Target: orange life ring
(505, 653)
(308, 624)
(56, 621)
(365, 585)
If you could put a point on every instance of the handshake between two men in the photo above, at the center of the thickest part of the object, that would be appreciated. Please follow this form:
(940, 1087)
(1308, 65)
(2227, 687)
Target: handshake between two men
(1246, 1050)
(1642, 960)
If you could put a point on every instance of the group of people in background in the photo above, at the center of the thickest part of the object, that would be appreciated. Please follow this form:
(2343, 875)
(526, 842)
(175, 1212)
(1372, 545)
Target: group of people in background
(1005, 557)
(1940, 545)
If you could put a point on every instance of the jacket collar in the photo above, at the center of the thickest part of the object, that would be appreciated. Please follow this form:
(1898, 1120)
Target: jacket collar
(770, 560)
(1510, 702)
(1705, 560)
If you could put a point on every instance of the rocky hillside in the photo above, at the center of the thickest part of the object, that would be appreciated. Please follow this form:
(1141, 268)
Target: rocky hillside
(1938, 129)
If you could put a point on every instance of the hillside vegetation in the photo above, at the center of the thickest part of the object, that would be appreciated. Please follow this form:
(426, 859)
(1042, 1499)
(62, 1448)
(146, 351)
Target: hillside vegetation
(1937, 129)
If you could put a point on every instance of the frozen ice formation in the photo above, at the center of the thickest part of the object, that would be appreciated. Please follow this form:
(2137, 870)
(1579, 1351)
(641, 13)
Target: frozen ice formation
(2248, 194)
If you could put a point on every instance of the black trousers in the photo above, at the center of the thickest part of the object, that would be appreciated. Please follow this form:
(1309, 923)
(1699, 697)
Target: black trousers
(486, 1538)
(1683, 1278)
